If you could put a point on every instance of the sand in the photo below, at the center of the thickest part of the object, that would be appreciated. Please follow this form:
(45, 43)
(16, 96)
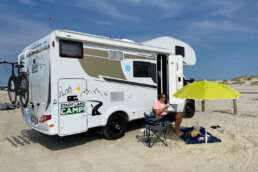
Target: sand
(22, 149)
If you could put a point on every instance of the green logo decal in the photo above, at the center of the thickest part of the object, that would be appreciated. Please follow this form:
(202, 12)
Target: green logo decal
(69, 108)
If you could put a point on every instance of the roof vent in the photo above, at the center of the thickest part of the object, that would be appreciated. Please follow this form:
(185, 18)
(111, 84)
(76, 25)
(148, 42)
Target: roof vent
(127, 40)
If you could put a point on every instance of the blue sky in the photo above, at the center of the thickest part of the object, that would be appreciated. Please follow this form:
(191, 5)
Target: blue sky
(223, 33)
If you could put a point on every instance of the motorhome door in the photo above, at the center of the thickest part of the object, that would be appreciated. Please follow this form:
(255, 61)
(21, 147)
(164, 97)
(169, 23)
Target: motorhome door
(162, 74)
(175, 75)
(72, 107)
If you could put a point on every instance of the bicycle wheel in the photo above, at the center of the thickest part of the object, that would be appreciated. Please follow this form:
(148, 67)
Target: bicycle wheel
(12, 90)
(24, 91)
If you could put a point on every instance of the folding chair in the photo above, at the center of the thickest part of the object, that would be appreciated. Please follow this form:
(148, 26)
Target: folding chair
(154, 130)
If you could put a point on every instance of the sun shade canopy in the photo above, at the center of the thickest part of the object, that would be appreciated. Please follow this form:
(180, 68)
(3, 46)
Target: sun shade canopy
(207, 90)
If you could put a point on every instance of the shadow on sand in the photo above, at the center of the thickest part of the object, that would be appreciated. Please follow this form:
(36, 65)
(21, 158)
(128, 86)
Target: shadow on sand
(224, 111)
(29, 136)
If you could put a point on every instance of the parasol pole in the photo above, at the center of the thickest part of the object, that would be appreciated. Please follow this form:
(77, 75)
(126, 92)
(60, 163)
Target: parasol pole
(203, 105)
(235, 106)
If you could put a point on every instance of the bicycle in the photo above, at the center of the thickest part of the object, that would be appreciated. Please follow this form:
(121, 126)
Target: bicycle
(18, 85)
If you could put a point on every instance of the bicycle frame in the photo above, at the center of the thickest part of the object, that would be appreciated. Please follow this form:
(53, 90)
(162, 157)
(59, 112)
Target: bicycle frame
(19, 87)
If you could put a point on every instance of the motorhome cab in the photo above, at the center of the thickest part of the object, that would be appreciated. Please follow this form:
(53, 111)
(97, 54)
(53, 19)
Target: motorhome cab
(79, 81)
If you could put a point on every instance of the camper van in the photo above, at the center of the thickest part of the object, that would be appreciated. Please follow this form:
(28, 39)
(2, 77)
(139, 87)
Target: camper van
(79, 81)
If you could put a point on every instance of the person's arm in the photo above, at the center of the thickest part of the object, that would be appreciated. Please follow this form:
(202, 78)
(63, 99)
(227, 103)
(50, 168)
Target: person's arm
(158, 112)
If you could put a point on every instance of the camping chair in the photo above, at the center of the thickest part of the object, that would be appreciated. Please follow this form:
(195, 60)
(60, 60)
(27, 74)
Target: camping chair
(154, 130)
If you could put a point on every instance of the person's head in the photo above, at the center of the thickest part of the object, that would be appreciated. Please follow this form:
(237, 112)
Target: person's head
(162, 97)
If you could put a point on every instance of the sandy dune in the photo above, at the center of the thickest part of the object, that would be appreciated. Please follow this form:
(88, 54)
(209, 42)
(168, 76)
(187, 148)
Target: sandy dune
(22, 149)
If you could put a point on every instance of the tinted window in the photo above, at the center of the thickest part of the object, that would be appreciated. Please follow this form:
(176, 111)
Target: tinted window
(153, 72)
(141, 69)
(180, 51)
(71, 49)
(144, 69)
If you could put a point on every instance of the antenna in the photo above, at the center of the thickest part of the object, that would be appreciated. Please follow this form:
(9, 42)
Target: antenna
(51, 21)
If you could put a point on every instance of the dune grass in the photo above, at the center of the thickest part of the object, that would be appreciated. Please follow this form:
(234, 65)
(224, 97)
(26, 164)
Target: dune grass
(254, 83)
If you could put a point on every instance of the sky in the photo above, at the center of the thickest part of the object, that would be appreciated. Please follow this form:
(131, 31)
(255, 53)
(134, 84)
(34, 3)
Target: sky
(224, 33)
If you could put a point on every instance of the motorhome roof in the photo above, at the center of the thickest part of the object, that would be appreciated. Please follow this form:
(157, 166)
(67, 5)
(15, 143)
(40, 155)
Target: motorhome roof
(102, 40)
(68, 34)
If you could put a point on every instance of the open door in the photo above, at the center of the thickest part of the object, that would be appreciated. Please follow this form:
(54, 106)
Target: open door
(162, 74)
(175, 77)
(72, 107)
(175, 73)
(170, 78)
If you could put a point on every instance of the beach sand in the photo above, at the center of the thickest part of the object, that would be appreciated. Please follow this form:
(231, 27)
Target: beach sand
(23, 149)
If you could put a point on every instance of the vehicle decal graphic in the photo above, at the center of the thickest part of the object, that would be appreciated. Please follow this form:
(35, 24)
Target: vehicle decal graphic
(69, 108)
(64, 92)
(95, 67)
(95, 109)
(130, 83)
(78, 89)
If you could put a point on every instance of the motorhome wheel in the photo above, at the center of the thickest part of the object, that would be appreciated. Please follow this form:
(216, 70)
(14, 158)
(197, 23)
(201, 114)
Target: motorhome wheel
(116, 126)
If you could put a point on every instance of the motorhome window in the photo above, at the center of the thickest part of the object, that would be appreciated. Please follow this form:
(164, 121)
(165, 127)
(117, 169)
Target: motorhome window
(153, 72)
(144, 69)
(141, 69)
(180, 51)
(116, 55)
(71, 49)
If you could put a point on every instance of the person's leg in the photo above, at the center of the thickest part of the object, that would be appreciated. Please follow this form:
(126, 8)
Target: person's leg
(177, 118)
(178, 121)
(171, 116)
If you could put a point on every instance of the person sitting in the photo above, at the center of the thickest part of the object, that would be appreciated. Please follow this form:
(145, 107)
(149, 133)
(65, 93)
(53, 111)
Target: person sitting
(160, 109)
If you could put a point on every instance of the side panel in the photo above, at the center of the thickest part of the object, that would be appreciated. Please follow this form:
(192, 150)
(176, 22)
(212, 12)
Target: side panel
(110, 84)
(72, 106)
(179, 72)
(175, 76)
(39, 79)
(39, 82)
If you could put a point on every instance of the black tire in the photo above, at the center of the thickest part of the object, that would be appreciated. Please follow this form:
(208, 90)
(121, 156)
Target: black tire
(116, 126)
(24, 91)
(189, 109)
(12, 90)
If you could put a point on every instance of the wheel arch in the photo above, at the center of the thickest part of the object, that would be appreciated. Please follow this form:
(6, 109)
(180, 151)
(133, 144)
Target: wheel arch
(114, 110)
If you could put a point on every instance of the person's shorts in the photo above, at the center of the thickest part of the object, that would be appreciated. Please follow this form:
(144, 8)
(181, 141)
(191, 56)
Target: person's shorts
(171, 116)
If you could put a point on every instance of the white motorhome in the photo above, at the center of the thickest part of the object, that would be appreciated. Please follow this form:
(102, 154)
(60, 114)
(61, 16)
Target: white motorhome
(79, 81)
